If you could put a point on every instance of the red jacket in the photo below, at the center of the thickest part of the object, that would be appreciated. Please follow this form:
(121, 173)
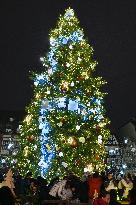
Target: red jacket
(94, 184)
(99, 202)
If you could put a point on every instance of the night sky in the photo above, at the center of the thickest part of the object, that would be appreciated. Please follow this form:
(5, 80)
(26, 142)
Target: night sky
(109, 25)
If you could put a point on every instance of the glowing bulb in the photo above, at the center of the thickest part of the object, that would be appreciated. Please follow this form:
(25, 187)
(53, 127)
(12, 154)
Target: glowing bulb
(72, 84)
(61, 154)
(42, 59)
(78, 127)
(48, 91)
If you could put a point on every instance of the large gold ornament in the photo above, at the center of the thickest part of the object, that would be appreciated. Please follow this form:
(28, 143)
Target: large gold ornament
(64, 86)
(73, 142)
(31, 138)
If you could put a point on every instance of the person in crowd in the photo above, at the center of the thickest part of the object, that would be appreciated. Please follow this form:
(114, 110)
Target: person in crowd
(27, 181)
(132, 197)
(58, 186)
(33, 189)
(35, 195)
(19, 186)
(6, 196)
(134, 182)
(65, 192)
(94, 183)
(128, 185)
(120, 188)
(76, 186)
(113, 197)
(53, 181)
(104, 199)
(103, 175)
(110, 183)
(84, 189)
(132, 193)
(43, 189)
(32, 196)
(1, 180)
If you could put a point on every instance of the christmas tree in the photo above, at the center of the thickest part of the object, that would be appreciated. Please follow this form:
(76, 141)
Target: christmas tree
(65, 127)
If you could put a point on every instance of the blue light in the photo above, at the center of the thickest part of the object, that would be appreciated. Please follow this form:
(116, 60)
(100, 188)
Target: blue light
(53, 42)
(77, 36)
(73, 105)
(64, 40)
(61, 102)
(40, 80)
(47, 154)
(50, 55)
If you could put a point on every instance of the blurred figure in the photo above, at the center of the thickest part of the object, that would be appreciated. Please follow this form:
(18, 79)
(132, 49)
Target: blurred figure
(83, 190)
(6, 196)
(134, 182)
(113, 197)
(55, 191)
(103, 200)
(27, 182)
(132, 193)
(1, 180)
(19, 186)
(65, 192)
(128, 185)
(53, 181)
(132, 197)
(120, 188)
(94, 183)
(110, 182)
(43, 189)
(33, 188)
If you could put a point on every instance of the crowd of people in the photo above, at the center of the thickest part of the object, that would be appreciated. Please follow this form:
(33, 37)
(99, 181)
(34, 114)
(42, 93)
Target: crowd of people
(93, 188)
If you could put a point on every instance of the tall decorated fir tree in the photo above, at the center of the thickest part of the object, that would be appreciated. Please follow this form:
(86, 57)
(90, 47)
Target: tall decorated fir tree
(65, 127)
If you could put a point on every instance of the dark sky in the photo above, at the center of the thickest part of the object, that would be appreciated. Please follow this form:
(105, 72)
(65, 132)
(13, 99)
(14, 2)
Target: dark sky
(109, 25)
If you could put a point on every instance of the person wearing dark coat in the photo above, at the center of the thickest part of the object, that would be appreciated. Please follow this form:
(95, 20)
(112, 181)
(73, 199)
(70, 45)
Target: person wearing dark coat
(83, 192)
(27, 181)
(43, 189)
(113, 197)
(1, 178)
(19, 186)
(132, 196)
(6, 196)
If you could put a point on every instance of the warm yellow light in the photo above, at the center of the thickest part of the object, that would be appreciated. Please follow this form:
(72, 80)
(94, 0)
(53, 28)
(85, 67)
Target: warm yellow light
(28, 119)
